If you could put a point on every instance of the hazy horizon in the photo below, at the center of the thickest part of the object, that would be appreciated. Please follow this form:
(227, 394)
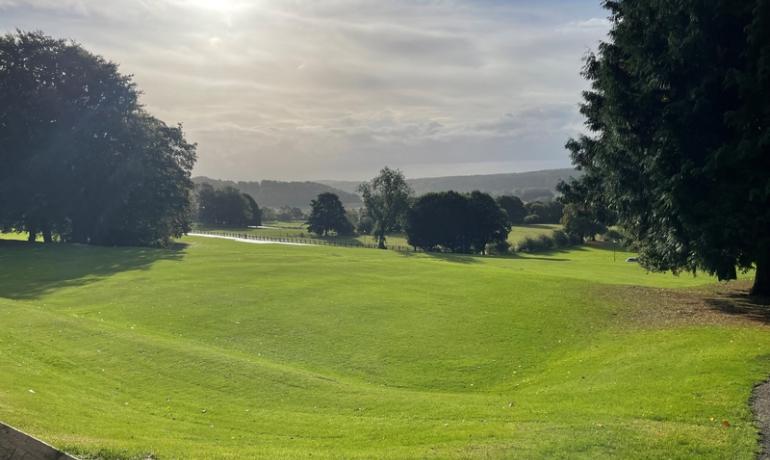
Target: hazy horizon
(306, 91)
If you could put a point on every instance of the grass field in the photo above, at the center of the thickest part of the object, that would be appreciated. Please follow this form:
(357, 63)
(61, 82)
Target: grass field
(298, 229)
(219, 349)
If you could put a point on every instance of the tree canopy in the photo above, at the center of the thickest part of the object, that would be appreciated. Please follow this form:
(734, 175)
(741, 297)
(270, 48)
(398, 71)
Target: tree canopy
(386, 198)
(513, 207)
(227, 207)
(679, 115)
(328, 215)
(456, 222)
(82, 161)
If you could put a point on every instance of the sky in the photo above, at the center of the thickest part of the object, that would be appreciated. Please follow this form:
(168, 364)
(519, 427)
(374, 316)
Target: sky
(337, 89)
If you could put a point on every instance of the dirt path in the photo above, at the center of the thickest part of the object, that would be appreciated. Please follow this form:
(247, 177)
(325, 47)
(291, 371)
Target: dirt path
(244, 240)
(760, 404)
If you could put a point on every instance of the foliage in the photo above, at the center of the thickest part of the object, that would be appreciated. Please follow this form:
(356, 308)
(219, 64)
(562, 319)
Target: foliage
(328, 215)
(558, 239)
(82, 161)
(513, 207)
(543, 212)
(227, 207)
(585, 210)
(581, 222)
(386, 199)
(287, 213)
(488, 222)
(679, 114)
(455, 222)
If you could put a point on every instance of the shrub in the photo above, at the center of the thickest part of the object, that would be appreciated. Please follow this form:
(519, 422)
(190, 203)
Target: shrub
(561, 239)
(558, 239)
(499, 247)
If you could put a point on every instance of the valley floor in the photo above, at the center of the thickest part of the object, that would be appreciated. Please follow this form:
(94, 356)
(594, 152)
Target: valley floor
(218, 349)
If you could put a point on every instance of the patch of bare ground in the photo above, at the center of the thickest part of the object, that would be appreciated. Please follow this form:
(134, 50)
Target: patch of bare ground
(723, 303)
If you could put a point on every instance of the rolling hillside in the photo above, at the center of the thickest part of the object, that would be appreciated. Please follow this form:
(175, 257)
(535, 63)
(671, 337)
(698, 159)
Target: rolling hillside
(530, 186)
(218, 349)
(275, 194)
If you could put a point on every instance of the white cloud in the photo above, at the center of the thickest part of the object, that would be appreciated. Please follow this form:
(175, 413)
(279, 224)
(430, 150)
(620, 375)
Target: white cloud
(305, 89)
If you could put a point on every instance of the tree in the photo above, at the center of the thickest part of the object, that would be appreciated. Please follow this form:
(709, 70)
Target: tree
(581, 222)
(456, 222)
(81, 159)
(386, 198)
(585, 211)
(488, 221)
(227, 207)
(679, 115)
(328, 215)
(539, 212)
(253, 214)
(514, 208)
(439, 221)
(288, 213)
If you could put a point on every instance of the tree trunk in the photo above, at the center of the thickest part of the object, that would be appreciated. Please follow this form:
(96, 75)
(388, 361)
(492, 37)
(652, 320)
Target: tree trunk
(47, 236)
(32, 234)
(762, 277)
(381, 241)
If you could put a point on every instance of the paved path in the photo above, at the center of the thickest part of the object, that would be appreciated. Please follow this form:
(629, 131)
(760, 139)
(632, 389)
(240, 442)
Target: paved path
(247, 240)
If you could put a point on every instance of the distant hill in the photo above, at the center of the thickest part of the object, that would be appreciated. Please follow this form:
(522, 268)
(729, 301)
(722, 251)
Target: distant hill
(530, 186)
(274, 194)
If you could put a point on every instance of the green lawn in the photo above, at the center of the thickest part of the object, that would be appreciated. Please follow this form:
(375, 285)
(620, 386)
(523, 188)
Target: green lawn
(220, 349)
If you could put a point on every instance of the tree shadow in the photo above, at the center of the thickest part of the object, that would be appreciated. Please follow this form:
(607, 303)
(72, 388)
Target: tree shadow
(32, 270)
(741, 304)
(445, 256)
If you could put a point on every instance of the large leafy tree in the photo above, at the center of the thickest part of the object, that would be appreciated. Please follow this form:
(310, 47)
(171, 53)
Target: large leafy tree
(456, 222)
(328, 215)
(679, 114)
(227, 207)
(438, 221)
(386, 198)
(81, 159)
(488, 222)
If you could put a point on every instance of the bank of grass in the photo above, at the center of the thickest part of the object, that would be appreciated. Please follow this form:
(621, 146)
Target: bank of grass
(219, 349)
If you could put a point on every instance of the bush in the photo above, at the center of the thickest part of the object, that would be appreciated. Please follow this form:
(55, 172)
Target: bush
(499, 247)
(561, 239)
(541, 243)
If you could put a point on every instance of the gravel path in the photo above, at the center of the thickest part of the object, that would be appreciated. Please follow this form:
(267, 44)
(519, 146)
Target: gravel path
(760, 403)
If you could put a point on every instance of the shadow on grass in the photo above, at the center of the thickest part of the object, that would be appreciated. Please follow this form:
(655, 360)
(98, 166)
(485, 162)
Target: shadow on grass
(446, 256)
(742, 304)
(31, 270)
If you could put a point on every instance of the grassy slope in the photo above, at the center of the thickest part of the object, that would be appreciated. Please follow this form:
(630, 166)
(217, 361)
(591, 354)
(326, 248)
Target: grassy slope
(229, 350)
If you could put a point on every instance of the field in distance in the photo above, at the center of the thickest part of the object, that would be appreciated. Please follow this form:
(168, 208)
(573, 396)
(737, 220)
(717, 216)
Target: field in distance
(220, 349)
(298, 229)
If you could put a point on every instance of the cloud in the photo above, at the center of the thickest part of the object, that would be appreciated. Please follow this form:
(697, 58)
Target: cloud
(304, 89)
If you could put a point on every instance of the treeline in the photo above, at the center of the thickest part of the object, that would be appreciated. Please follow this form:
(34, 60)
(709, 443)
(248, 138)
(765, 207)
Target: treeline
(472, 223)
(82, 161)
